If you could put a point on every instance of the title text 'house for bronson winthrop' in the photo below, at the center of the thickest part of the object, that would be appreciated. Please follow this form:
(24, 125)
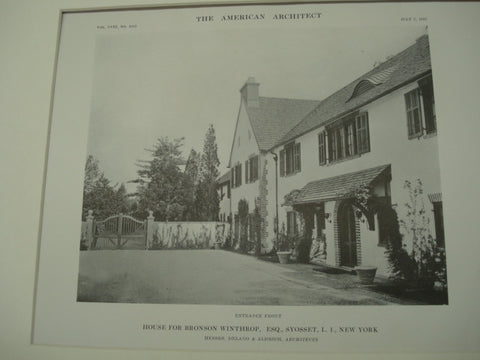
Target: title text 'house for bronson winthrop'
(375, 133)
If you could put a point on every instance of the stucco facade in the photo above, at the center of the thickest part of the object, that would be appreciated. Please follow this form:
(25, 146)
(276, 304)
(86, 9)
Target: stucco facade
(409, 159)
(376, 133)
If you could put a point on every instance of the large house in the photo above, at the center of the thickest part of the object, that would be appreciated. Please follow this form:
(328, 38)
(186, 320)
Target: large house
(333, 169)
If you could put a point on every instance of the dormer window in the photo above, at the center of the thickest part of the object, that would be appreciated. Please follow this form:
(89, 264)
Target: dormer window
(371, 81)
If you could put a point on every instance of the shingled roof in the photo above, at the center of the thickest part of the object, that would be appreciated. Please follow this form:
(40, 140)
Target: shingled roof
(274, 117)
(339, 186)
(408, 65)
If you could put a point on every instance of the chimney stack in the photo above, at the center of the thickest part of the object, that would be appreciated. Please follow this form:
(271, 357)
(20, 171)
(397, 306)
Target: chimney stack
(249, 93)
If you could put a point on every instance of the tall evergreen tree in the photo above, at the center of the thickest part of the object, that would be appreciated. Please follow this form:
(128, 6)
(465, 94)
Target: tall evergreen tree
(192, 171)
(207, 200)
(99, 195)
(163, 187)
(92, 174)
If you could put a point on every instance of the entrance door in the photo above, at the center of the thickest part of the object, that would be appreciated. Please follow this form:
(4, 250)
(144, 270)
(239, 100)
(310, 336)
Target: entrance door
(347, 234)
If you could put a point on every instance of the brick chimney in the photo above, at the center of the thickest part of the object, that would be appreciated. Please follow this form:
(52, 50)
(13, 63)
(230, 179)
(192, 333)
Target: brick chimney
(249, 93)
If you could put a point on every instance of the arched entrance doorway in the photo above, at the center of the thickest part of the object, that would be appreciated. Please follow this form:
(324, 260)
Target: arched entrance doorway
(347, 235)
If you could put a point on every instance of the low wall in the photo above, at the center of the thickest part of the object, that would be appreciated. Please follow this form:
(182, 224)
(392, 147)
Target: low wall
(187, 235)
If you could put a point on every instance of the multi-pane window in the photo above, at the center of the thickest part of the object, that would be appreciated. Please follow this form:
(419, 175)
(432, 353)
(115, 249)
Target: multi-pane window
(348, 139)
(414, 115)
(290, 159)
(237, 176)
(426, 88)
(418, 121)
(251, 169)
(297, 158)
(363, 137)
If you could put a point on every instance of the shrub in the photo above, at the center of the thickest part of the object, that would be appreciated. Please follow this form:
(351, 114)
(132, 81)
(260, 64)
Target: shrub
(425, 264)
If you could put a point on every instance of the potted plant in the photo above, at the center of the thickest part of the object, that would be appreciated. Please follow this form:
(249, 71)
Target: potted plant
(366, 274)
(285, 245)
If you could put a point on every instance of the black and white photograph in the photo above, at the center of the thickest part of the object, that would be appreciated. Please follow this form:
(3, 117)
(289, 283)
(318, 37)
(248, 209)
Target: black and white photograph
(300, 168)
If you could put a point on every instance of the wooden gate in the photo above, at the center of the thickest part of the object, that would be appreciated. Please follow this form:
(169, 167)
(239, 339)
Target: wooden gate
(120, 232)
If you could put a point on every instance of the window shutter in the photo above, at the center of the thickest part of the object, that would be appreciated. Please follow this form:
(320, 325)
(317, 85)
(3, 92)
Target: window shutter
(282, 162)
(321, 148)
(414, 118)
(239, 174)
(298, 157)
(363, 136)
(367, 134)
(255, 168)
(426, 86)
(232, 177)
(246, 172)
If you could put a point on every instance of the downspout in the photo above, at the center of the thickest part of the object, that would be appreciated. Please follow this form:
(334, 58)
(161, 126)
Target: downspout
(275, 158)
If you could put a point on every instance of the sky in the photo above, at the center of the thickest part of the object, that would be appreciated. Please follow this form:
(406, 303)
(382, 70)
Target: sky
(151, 85)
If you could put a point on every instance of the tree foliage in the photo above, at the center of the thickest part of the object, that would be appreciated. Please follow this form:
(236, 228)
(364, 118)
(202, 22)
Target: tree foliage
(424, 264)
(162, 186)
(206, 199)
(98, 195)
(192, 171)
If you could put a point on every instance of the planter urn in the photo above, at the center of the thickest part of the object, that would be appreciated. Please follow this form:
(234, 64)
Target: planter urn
(366, 274)
(218, 245)
(283, 257)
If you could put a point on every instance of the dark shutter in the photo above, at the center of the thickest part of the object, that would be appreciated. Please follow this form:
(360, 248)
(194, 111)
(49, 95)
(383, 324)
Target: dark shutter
(438, 217)
(321, 148)
(247, 180)
(255, 168)
(239, 174)
(282, 162)
(426, 86)
(363, 136)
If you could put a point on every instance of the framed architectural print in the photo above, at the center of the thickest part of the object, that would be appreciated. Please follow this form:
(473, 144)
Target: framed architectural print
(250, 177)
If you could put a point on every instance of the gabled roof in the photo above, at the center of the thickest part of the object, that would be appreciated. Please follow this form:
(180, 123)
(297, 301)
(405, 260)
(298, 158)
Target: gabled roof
(274, 117)
(407, 66)
(340, 186)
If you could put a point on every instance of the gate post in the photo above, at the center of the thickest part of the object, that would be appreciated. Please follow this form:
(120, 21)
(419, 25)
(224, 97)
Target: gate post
(119, 230)
(150, 229)
(89, 229)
